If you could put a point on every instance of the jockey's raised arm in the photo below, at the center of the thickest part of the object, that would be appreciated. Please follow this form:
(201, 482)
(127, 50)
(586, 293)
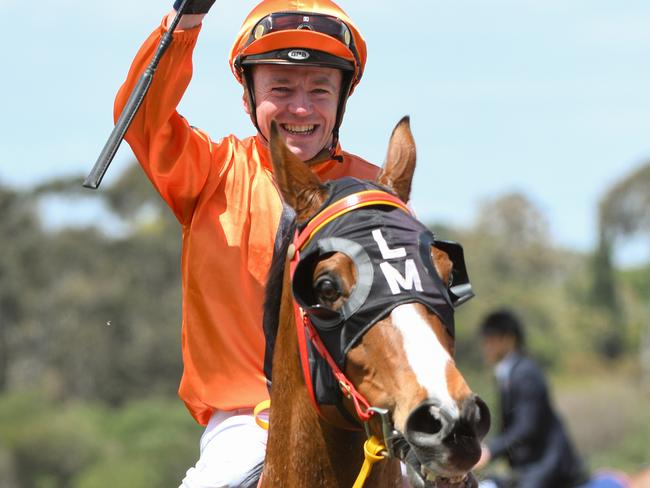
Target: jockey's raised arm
(297, 63)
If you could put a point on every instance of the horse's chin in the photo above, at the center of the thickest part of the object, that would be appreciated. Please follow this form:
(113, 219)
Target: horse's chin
(420, 477)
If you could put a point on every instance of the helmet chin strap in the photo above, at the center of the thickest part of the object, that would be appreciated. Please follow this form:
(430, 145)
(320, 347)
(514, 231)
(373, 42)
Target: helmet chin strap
(328, 152)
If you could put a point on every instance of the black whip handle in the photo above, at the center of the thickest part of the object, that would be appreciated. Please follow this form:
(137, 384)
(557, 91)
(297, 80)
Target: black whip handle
(123, 123)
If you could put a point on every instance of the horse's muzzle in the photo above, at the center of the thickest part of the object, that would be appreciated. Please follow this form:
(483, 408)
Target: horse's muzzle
(445, 439)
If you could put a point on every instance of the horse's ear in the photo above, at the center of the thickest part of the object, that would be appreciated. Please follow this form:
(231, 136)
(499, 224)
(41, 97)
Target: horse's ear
(299, 186)
(398, 169)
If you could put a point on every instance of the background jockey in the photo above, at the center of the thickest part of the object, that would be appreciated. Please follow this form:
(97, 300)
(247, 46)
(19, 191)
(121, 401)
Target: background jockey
(298, 62)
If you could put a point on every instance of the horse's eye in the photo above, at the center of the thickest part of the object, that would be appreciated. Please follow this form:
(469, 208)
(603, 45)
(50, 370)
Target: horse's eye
(327, 290)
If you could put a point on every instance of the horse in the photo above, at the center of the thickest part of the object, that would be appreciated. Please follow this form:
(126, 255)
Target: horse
(352, 364)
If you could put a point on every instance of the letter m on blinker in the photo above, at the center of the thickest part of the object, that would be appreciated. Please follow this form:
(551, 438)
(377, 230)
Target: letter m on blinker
(396, 281)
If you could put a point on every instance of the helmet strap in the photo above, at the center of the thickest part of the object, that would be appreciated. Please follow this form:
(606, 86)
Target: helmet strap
(249, 90)
(346, 85)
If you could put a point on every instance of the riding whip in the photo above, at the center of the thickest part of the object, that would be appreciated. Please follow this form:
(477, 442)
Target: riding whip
(105, 158)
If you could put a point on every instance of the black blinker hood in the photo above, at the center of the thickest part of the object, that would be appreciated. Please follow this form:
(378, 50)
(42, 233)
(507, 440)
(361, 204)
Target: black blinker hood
(391, 251)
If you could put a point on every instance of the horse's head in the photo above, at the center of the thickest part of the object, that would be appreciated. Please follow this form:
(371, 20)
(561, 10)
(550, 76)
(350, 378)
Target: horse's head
(379, 290)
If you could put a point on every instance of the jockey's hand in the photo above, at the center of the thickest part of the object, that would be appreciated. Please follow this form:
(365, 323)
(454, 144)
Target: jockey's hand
(195, 6)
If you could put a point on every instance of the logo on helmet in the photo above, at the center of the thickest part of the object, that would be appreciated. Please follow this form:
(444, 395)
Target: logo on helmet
(298, 54)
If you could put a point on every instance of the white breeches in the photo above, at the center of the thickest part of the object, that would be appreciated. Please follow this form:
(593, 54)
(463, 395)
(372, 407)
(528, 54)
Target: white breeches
(231, 446)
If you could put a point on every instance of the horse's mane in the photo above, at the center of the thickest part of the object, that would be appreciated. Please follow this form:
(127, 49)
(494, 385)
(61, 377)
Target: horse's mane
(274, 282)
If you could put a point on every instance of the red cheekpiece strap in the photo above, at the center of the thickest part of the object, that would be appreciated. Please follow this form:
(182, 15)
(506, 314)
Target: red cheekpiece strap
(345, 205)
(347, 387)
(304, 324)
(302, 340)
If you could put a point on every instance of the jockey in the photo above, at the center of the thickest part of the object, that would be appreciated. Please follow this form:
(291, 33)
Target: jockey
(297, 62)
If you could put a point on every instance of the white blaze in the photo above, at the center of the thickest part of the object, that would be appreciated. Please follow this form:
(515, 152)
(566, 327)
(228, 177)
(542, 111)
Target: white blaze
(425, 354)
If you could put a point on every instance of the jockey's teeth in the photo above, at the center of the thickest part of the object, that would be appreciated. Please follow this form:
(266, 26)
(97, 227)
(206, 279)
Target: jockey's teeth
(298, 129)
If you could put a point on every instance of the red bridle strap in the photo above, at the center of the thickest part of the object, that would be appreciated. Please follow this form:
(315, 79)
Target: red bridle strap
(304, 327)
(345, 205)
(305, 330)
(361, 405)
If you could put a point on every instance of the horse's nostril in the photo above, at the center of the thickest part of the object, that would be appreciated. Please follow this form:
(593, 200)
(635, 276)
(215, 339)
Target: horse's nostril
(484, 418)
(425, 419)
(476, 414)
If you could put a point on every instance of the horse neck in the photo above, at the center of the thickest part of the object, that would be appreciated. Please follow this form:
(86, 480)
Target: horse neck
(302, 447)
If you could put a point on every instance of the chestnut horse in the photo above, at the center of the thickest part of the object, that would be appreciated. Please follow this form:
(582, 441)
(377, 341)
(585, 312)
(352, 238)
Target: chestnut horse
(395, 351)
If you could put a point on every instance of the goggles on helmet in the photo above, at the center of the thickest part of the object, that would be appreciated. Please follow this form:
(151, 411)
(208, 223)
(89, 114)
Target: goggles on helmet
(320, 23)
(281, 21)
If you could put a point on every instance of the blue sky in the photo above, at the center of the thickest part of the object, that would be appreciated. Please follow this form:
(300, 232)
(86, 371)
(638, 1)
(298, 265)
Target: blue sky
(548, 97)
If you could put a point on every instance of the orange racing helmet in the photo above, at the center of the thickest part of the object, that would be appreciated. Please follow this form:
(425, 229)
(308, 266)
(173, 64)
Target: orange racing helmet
(300, 33)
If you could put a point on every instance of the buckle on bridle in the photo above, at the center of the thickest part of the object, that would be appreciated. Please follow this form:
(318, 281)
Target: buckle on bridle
(345, 389)
(387, 430)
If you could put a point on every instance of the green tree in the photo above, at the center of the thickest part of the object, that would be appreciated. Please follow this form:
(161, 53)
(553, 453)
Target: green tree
(623, 212)
(604, 296)
(100, 308)
(512, 261)
(20, 247)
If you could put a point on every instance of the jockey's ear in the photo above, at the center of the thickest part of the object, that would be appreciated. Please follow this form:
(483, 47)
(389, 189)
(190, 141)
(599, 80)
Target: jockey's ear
(299, 186)
(397, 172)
(246, 101)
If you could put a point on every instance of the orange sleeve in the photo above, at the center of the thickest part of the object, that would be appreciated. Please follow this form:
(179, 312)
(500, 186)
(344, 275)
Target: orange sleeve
(176, 157)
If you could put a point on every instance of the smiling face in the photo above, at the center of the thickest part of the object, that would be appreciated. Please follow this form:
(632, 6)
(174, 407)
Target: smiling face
(302, 100)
